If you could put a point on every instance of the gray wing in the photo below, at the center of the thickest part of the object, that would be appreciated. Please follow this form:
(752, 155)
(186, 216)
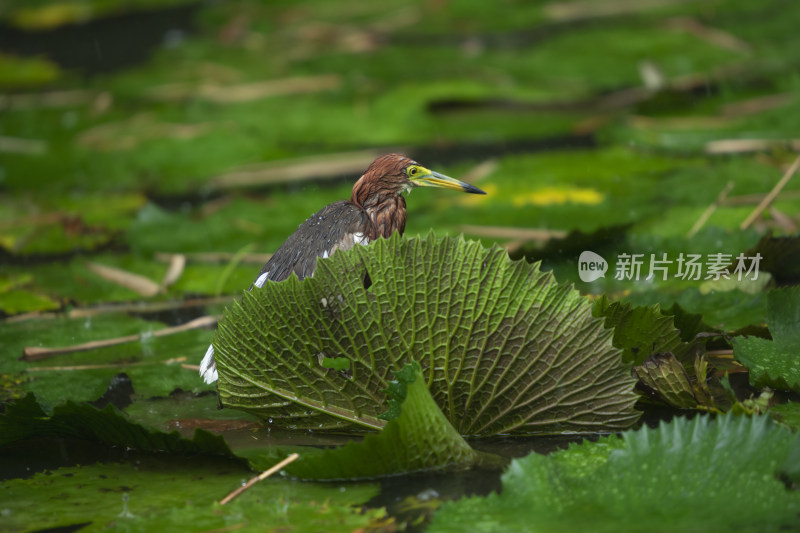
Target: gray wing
(339, 226)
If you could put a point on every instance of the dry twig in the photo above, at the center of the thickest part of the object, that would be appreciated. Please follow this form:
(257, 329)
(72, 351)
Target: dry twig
(481, 171)
(524, 234)
(37, 353)
(110, 365)
(752, 106)
(715, 36)
(738, 146)
(783, 221)
(261, 477)
(176, 265)
(769, 198)
(710, 210)
(216, 257)
(589, 9)
(246, 92)
(299, 169)
(751, 199)
(131, 307)
(138, 284)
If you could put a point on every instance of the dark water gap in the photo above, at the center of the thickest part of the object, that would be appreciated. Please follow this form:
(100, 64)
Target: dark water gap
(107, 43)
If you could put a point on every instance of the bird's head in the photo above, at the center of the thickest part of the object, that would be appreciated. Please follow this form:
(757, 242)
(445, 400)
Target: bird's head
(392, 174)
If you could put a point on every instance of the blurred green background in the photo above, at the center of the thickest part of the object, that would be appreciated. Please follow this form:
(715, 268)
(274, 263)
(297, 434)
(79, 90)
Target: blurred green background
(154, 152)
(142, 134)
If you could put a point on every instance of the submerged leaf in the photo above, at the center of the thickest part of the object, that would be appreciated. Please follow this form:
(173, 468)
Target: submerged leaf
(688, 324)
(25, 419)
(775, 363)
(781, 257)
(662, 479)
(787, 414)
(419, 438)
(503, 347)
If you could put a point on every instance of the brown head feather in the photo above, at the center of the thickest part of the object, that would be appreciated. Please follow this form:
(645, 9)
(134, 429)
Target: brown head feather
(385, 176)
(378, 193)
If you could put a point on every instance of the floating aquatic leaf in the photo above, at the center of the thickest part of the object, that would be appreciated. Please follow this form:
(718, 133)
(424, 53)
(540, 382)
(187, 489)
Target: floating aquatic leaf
(787, 414)
(25, 419)
(775, 363)
(503, 347)
(168, 494)
(661, 479)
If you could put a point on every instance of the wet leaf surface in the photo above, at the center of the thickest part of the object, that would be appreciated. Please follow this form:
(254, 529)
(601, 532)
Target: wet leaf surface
(504, 348)
(775, 362)
(630, 483)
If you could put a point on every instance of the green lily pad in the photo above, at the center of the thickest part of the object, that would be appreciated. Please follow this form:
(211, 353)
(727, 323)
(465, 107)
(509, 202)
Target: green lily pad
(18, 72)
(775, 363)
(787, 414)
(661, 479)
(158, 495)
(24, 301)
(153, 363)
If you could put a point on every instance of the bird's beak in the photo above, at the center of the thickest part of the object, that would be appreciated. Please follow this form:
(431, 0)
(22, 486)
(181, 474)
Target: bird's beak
(434, 179)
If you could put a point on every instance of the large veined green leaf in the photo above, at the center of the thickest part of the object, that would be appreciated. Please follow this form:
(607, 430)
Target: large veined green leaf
(721, 474)
(503, 347)
(775, 363)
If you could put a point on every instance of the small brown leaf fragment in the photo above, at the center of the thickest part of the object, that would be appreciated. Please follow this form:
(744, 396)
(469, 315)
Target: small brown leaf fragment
(210, 424)
(664, 377)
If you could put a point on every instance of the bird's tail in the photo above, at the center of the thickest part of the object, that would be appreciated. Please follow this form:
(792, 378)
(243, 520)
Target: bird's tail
(208, 367)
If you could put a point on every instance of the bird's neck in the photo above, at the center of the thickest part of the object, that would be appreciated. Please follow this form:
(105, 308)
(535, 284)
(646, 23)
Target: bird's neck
(386, 208)
(387, 214)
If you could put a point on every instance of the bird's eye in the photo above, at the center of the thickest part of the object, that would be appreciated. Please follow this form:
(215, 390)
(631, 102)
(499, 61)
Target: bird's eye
(412, 171)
